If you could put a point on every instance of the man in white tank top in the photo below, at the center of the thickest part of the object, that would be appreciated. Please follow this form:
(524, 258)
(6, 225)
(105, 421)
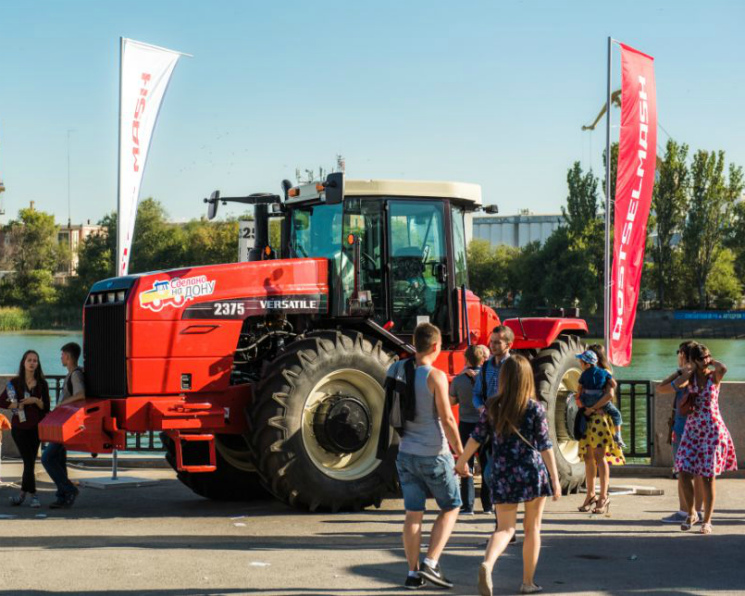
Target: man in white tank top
(425, 464)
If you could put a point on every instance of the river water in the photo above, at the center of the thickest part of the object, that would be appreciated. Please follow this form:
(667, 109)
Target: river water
(652, 359)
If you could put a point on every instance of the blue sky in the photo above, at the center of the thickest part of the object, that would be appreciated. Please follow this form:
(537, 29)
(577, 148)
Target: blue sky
(487, 92)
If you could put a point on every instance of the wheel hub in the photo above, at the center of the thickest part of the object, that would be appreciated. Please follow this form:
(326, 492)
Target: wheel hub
(342, 424)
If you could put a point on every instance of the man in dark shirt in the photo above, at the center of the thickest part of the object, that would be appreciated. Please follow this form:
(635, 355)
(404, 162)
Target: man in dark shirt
(54, 457)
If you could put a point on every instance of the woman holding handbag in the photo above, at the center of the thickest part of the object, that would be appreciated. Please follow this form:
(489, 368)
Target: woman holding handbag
(706, 449)
(523, 467)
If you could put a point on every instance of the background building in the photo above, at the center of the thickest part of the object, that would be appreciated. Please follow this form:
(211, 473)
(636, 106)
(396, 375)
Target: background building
(516, 230)
(72, 236)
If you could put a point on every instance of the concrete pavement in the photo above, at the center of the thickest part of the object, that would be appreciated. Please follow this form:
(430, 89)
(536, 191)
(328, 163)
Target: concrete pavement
(163, 539)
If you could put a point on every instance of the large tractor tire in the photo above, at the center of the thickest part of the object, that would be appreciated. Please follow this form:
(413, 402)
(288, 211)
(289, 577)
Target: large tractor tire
(235, 478)
(316, 420)
(557, 373)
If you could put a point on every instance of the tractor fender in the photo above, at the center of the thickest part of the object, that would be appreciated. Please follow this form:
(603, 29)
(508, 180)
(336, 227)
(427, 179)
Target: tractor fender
(541, 332)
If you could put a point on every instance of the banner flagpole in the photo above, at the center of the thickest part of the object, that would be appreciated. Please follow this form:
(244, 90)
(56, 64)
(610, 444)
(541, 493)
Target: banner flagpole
(114, 455)
(607, 289)
(119, 161)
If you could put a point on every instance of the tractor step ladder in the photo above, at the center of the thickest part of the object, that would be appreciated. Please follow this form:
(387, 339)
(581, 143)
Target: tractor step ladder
(195, 460)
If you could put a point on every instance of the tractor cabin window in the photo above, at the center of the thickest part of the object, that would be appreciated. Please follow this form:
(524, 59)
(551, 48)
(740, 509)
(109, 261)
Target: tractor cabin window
(457, 215)
(418, 260)
(364, 218)
(317, 232)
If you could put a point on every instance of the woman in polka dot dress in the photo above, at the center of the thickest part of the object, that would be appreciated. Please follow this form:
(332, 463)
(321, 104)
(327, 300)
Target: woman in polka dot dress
(706, 448)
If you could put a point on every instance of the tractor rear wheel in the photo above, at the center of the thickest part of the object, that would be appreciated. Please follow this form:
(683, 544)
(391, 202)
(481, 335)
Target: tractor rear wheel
(557, 373)
(316, 421)
(235, 478)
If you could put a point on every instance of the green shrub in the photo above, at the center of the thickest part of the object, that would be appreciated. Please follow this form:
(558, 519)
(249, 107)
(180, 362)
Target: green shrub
(13, 318)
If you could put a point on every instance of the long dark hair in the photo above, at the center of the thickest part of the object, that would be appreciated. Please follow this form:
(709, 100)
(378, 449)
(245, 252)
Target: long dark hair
(516, 388)
(20, 381)
(602, 358)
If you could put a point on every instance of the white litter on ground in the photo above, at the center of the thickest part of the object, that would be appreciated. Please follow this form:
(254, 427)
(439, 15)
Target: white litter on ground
(240, 525)
(259, 564)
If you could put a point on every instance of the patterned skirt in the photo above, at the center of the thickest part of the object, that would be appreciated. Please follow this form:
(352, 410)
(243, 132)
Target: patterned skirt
(600, 435)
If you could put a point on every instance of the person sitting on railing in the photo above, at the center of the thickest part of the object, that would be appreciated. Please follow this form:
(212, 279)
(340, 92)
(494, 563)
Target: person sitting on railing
(27, 397)
(54, 457)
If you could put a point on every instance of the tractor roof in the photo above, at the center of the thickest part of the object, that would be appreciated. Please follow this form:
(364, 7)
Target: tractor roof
(463, 191)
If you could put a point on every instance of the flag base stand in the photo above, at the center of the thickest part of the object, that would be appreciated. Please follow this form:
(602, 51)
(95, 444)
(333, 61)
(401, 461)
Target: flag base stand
(108, 483)
(115, 481)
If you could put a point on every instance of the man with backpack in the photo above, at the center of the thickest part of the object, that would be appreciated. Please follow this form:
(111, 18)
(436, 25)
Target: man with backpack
(485, 387)
(461, 394)
(54, 458)
(425, 464)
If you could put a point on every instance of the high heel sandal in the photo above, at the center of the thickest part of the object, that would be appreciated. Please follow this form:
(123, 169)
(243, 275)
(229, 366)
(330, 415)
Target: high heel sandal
(602, 506)
(587, 505)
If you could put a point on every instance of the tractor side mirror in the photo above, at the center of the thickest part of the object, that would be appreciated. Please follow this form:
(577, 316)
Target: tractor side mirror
(286, 186)
(334, 187)
(212, 204)
(491, 209)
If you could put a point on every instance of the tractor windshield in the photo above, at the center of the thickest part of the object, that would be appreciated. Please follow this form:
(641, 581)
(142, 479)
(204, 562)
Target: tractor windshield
(316, 231)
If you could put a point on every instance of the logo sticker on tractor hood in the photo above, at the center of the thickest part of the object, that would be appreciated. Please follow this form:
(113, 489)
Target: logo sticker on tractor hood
(175, 292)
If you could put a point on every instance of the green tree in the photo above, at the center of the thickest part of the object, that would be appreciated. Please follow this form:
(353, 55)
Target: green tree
(722, 286)
(735, 238)
(156, 244)
(670, 204)
(35, 255)
(490, 270)
(211, 242)
(582, 202)
(711, 204)
(577, 254)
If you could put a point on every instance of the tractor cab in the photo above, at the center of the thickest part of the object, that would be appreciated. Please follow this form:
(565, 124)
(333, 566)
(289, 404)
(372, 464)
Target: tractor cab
(396, 249)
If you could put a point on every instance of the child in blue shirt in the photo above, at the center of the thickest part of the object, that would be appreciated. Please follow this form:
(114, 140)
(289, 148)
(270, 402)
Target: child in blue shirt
(595, 383)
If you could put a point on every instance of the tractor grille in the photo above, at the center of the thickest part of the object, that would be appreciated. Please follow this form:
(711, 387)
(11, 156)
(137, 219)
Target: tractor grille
(105, 347)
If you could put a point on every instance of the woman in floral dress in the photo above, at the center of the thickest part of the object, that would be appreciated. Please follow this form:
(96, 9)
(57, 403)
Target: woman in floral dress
(523, 467)
(706, 449)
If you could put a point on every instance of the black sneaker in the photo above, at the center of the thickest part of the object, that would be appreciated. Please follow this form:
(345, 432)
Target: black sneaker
(414, 582)
(70, 499)
(59, 504)
(434, 575)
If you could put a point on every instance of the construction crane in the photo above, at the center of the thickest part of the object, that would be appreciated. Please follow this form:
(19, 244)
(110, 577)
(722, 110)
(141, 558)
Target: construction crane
(615, 100)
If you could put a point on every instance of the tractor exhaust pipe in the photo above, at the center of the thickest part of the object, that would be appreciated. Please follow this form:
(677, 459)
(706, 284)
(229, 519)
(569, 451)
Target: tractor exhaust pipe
(261, 216)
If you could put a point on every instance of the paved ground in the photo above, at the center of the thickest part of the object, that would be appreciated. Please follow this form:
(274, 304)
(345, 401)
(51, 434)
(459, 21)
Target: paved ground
(162, 539)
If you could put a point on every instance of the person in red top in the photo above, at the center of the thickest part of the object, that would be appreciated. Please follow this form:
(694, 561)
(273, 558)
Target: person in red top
(27, 397)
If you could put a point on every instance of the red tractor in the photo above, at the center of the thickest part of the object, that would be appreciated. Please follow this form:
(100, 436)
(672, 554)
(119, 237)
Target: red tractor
(268, 374)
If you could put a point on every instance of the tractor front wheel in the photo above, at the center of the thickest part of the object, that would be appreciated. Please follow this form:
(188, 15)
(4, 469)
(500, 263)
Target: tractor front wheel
(557, 373)
(316, 422)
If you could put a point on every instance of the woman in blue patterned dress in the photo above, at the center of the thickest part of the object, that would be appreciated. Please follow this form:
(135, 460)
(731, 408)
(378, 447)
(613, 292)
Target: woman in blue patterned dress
(523, 467)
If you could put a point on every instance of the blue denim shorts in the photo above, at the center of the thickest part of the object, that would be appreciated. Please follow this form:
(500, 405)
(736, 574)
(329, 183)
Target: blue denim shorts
(428, 475)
